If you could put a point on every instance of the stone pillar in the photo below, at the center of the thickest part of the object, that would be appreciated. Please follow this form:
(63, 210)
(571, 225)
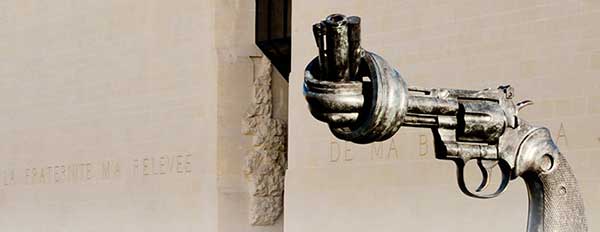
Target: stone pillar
(266, 161)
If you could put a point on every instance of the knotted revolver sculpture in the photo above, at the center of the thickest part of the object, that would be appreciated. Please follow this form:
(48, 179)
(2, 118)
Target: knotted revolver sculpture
(363, 100)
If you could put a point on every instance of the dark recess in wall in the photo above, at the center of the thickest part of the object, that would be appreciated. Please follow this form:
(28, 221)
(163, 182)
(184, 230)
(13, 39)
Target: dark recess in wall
(273, 32)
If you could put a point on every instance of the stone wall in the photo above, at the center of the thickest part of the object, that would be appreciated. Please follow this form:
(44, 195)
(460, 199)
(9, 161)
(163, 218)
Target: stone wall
(267, 159)
(252, 115)
(108, 116)
(126, 116)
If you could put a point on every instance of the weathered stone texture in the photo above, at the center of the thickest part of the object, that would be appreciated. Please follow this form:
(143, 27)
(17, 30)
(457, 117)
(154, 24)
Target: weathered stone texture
(266, 161)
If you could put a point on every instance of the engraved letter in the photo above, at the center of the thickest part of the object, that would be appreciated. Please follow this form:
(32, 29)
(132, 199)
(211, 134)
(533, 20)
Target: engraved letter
(333, 155)
(188, 163)
(347, 155)
(562, 134)
(376, 151)
(423, 148)
(392, 149)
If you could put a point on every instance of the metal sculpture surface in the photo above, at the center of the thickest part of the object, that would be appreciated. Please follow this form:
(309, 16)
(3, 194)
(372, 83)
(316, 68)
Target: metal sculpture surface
(364, 100)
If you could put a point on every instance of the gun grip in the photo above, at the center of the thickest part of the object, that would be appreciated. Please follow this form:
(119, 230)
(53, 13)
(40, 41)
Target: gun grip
(555, 203)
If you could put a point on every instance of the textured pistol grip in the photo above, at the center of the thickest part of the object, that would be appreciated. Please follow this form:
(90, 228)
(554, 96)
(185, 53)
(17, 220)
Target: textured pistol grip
(555, 203)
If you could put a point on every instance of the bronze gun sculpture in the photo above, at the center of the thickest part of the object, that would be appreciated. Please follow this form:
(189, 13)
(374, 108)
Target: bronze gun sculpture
(363, 99)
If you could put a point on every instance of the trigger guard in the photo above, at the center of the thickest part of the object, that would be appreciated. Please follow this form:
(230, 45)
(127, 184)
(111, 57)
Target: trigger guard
(460, 170)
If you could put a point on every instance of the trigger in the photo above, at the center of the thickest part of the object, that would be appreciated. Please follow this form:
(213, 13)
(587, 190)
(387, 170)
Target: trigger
(485, 166)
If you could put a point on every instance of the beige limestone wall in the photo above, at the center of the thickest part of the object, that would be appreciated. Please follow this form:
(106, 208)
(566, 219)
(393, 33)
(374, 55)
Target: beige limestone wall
(239, 64)
(548, 50)
(109, 116)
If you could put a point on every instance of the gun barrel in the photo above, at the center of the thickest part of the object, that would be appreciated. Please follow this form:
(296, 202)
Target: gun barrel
(338, 40)
(337, 51)
(426, 121)
(354, 49)
(432, 105)
(430, 112)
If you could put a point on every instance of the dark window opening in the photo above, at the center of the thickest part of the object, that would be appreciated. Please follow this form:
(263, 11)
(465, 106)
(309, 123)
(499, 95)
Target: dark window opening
(273, 32)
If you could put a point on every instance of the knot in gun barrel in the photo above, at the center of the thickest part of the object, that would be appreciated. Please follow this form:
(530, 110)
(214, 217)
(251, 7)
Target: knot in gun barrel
(364, 99)
(360, 96)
